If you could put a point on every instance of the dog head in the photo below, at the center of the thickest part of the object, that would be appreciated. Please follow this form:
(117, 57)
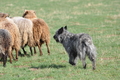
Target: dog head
(29, 14)
(60, 34)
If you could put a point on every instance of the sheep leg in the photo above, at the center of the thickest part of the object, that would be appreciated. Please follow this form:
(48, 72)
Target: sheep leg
(4, 60)
(10, 57)
(40, 50)
(10, 54)
(20, 54)
(31, 51)
(24, 50)
(48, 50)
(34, 50)
(16, 54)
(1, 57)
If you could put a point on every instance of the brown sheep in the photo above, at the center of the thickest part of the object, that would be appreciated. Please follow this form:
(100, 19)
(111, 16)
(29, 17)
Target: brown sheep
(8, 24)
(5, 45)
(41, 32)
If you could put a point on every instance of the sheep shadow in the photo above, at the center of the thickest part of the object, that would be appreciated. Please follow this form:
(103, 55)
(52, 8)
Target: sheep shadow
(48, 66)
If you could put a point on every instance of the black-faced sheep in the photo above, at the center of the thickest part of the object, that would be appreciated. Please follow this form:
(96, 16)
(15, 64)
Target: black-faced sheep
(5, 45)
(8, 24)
(41, 32)
(25, 27)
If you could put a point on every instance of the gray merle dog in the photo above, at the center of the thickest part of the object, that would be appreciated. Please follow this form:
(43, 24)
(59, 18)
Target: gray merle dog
(77, 46)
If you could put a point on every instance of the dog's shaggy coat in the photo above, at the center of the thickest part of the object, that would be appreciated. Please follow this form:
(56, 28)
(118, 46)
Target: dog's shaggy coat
(41, 32)
(77, 46)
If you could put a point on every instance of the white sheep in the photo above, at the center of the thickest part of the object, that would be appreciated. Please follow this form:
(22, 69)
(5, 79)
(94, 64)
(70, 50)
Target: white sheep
(25, 27)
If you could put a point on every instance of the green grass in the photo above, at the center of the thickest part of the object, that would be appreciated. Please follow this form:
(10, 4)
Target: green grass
(99, 18)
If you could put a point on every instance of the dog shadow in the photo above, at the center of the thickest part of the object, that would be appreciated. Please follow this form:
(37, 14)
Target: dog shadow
(48, 66)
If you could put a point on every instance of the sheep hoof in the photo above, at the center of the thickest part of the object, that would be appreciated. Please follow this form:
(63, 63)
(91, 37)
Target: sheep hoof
(94, 68)
(22, 55)
(41, 54)
(85, 66)
(4, 65)
(31, 54)
(27, 55)
(16, 59)
(48, 53)
(11, 62)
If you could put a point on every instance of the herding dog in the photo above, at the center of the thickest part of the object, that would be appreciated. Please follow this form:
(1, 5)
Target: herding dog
(77, 46)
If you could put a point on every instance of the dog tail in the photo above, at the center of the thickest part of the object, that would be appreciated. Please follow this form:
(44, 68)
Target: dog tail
(90, 49)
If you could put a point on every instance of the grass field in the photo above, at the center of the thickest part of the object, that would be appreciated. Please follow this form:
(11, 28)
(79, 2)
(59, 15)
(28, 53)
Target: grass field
(99, 18)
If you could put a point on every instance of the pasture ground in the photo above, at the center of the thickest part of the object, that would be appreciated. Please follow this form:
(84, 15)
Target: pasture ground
(99, 18)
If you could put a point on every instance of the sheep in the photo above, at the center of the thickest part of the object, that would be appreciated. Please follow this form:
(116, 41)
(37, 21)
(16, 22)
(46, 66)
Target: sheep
(5, 45)
(41, 32)
(8, 24)
(25, 27)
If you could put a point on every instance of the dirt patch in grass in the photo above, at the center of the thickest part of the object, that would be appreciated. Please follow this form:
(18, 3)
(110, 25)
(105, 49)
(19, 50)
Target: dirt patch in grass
(47, 77)
(2, 73)
(108, 58)
(21, 66)
(112, 35)
(33, 69)
(94, 4)
(77, 23)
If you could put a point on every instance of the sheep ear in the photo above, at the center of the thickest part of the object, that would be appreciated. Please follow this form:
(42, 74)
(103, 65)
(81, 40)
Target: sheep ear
(60, 30)
(5, 15)
(25, 13)
(65, 27)
(25, 10)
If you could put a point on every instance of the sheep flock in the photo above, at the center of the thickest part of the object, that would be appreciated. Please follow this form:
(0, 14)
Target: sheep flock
(18, 32)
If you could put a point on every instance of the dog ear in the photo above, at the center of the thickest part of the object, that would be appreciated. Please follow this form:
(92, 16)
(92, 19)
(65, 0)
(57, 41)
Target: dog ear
(65, 27)
(60, 30)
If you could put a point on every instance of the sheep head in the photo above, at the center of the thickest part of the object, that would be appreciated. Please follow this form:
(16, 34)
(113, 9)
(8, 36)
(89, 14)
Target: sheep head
(3, 15)
(30, 14)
